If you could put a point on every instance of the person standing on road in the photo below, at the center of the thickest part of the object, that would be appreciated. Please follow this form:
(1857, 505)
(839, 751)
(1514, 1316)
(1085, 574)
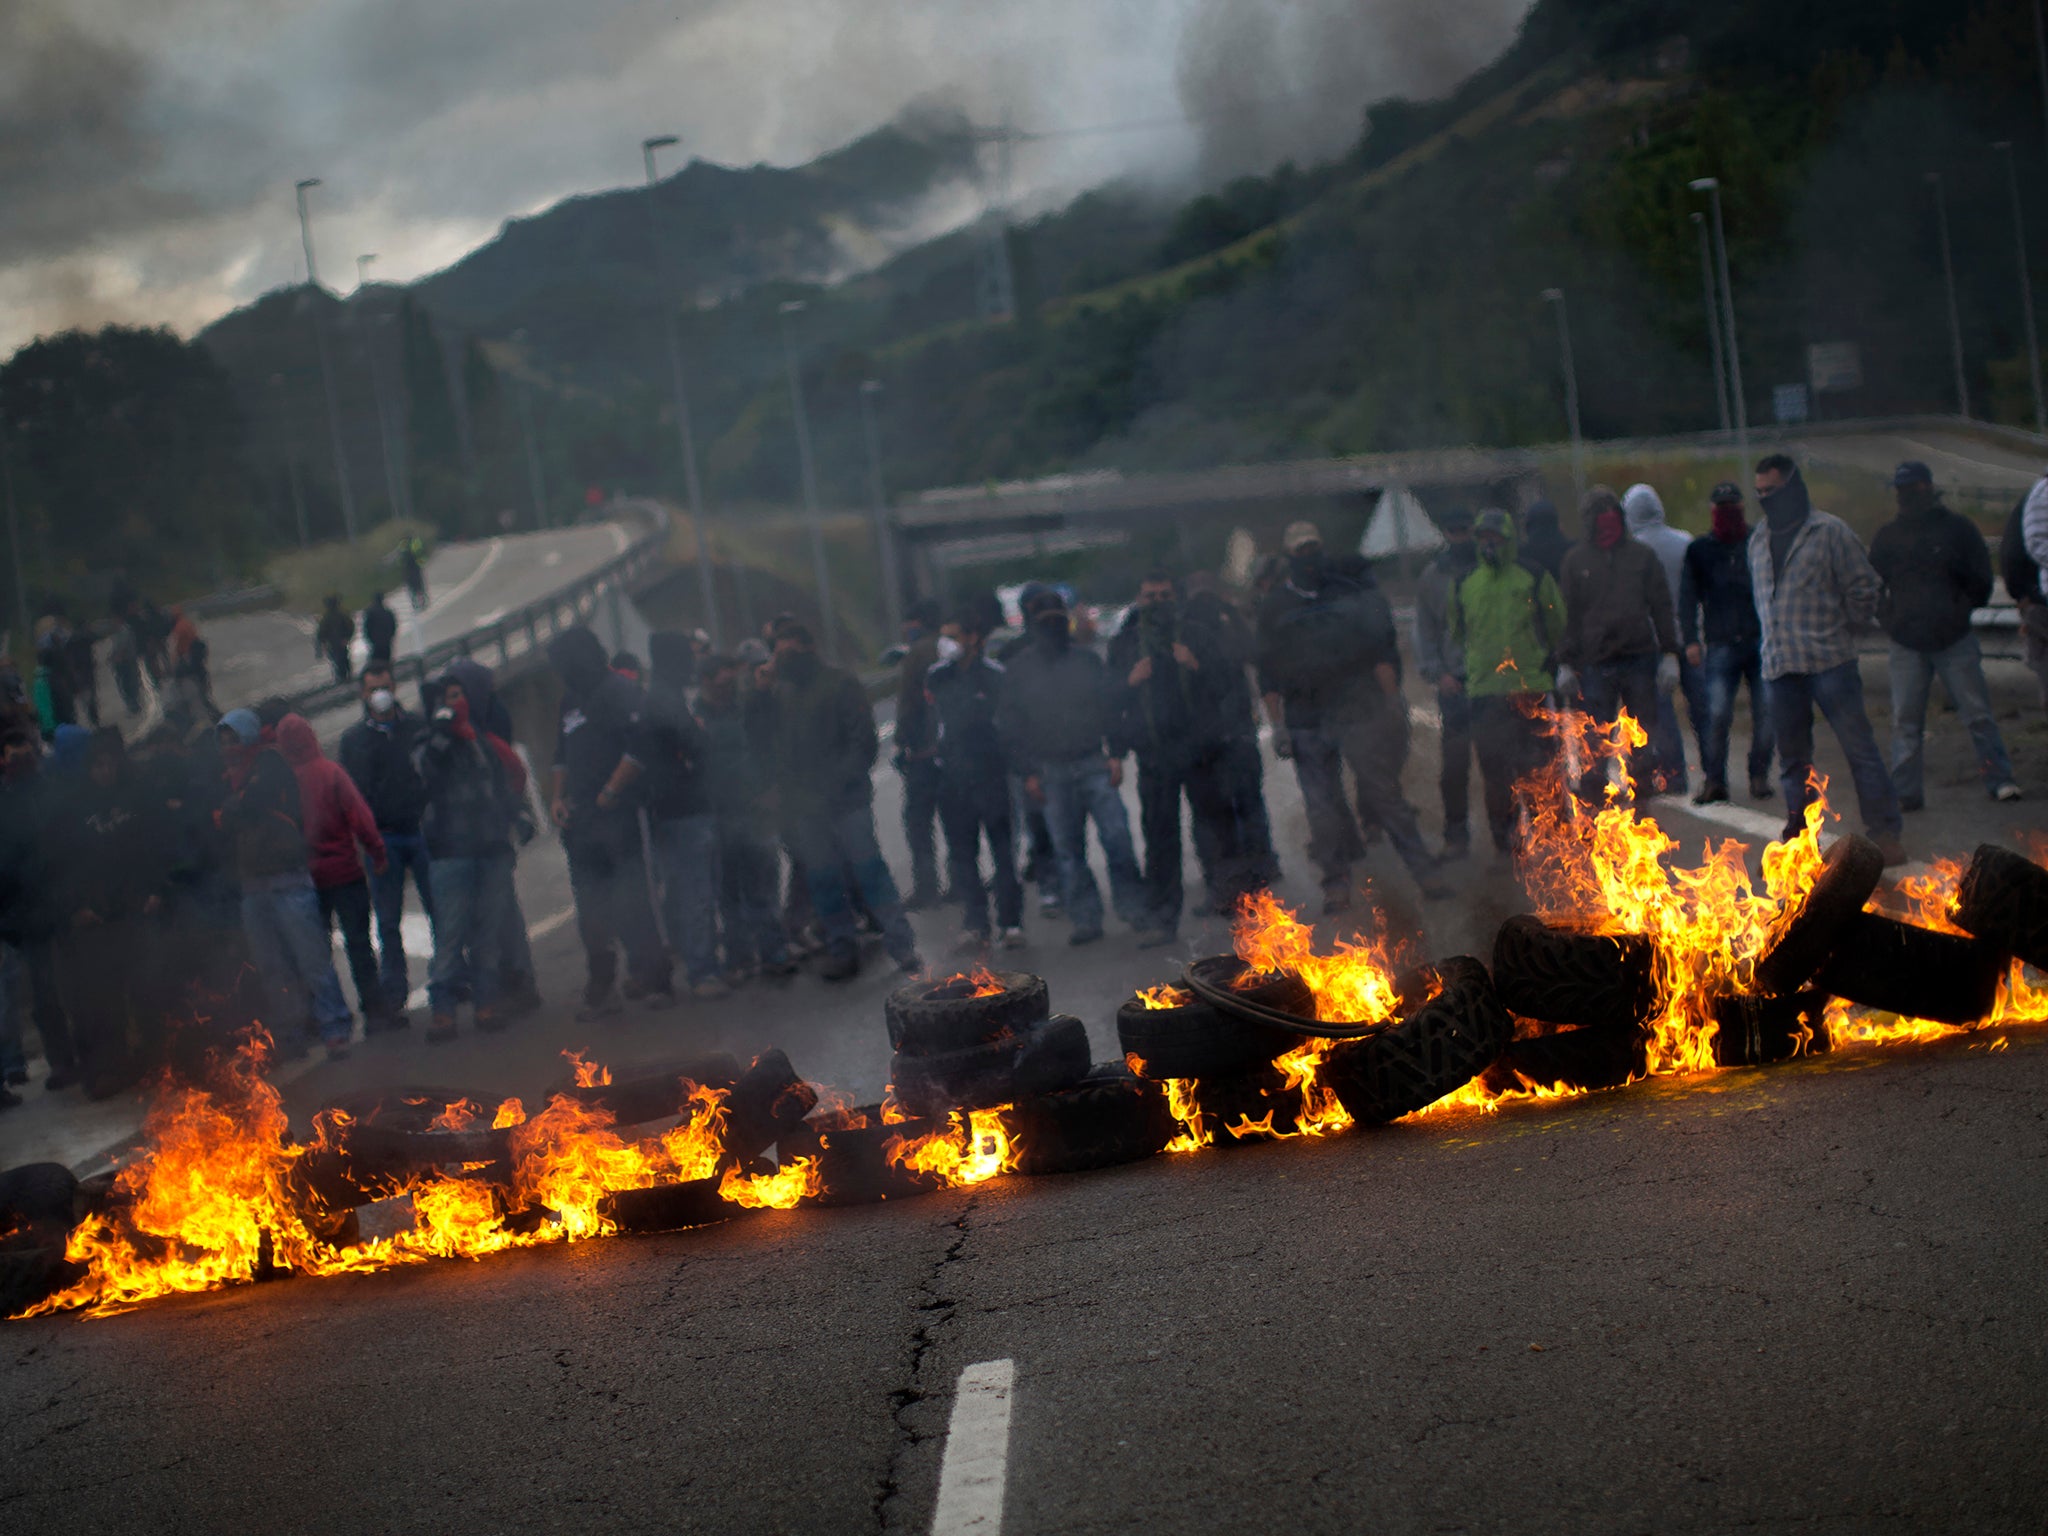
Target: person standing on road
(377, 753)
(670, 759)
(1330, 668)
(1057, 720)
(1643, 509)
(1543, 543)
(2022, 578)
(600, 827)
(825, 743)
(1041, 862)
(1724, 640)
(518, 993)
(1618, 624)
(339, 831)
(380, 628)
(1442, 666)
(412, 572)
(29, 919)
(333, 636)
(1235, 844)
(1936, 570)
(1815, 588)
(916, 752)
(1505, 621)
(737, 739)
(963, 689)
(472, 784)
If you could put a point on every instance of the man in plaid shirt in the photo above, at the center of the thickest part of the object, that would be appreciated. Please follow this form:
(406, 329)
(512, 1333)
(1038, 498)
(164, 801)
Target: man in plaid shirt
(1814, 588)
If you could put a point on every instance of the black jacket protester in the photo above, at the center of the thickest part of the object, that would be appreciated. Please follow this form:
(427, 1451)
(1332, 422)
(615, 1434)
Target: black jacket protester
(1936, 569)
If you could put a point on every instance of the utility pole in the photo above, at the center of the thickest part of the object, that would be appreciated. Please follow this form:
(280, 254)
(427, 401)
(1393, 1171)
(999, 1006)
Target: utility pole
(395, 485)
(819, 572)
(2019, 238)
(341, 484)
(1699, 222)
(885, 544)
(707, 587)
(291, 458)
(1555, 297)
(22, 616)
(1712, 186)
(1948, 277)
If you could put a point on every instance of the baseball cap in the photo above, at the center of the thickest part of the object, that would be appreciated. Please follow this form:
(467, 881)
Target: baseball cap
(1725, 493)
(1912, 472)
(1298, 534)
(1493, 521)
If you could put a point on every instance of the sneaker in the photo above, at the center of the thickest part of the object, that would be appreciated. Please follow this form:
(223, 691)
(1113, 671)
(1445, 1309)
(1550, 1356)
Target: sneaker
(970, 942)
(840, 965)
(1893, 850)
(2005, 793)
(441, 1029)
(1711, 793)
(1011, 938)
(710, 991)
(1082, 936)
(1760, 788)
(1154, 938)
(1048, 904)
(1792, 829)
(604, 1006)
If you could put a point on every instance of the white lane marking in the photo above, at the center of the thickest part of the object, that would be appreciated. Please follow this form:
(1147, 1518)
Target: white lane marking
(977, 1451)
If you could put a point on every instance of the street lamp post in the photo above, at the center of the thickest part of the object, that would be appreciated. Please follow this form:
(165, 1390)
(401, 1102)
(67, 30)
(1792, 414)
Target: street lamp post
(885, 545)
(1948, 277)
(1699, 222)
(1555, 297)
(707, 587)
(341, 483)
(2019, 238)
(813, 514)
(1712, 187)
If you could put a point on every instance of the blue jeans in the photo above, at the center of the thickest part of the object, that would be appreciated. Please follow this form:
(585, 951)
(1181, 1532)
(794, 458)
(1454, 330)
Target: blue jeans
(405, 851)
(750, 892)
(468, 929)
(1609, 687)
(1839, 693)
(1961, 670)
(1077, 792)
(1667, 741)
(288, 941)
(686, 849)
(969, 805)
(14, 1005)
(833, 846)
(1728, 667)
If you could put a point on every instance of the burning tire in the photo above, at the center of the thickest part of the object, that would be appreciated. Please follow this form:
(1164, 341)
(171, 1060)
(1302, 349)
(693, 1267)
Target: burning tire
(1043, 1058)
(30, 1275)
(37, 1194)
(853, 1159)
(1438, 1046)
(1582, 1059)
(1279, 1000)
(667, 1207)
(650, 1090)
(409, 1107)
(927, 1020)
(1848, 875)
(1917, 972)
(1250, 1107)
(1565, 975)
(1109, 1117)
(2003, 898)
(1196, 1040)
(1755, 1031)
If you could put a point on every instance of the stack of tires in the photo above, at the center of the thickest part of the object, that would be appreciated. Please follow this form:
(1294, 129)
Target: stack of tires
(39, 1203)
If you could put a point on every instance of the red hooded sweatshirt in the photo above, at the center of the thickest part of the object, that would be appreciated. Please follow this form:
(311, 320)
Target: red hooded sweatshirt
(332, 809)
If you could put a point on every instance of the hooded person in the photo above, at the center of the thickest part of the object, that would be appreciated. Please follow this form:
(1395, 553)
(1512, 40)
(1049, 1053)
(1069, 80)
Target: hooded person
(595, 806)
(380, 628)
(377, 752)
(1717, 621)
(1543, 542)
(1643, 509)
(1936, 570)
(1442, 666)
(735, 719)
(518, 992)
(340, 834)
(1815, 588)
(1506, 618)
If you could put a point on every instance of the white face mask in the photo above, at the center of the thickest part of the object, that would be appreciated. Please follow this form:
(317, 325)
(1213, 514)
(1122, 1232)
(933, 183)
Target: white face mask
(949, 648)
(382, 701)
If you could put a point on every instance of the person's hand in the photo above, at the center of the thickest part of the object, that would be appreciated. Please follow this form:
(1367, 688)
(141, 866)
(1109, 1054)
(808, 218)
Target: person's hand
(1694, 654)
(381, 867)
(1449, 686)
(606, 799)
(1116, 773)
(1185, 656)
(1034, 789)
(558, 812)
(1141, 673)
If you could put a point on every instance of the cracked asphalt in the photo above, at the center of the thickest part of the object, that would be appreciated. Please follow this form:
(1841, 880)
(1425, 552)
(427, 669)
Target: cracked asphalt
(1813, 1295)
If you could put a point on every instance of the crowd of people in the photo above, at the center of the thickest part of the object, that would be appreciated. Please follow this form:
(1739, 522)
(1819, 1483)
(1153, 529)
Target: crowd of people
(717, 809)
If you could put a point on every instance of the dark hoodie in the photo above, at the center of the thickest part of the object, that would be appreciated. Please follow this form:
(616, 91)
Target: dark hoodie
(1937, 570)
(472, 794)
(671, 749)
(1543, 541)
(599, 722)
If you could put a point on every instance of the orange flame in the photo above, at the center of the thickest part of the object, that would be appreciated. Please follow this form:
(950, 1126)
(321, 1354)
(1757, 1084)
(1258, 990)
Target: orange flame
(1352, 986)
(795, 1180)
(588, 1073)
(1161, 997)
(971, 1150)
(979, 982)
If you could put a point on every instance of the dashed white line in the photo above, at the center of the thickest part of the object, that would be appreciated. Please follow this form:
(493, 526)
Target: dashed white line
(977, 1456)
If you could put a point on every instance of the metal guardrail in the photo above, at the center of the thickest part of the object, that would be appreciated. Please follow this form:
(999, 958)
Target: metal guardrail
(522, 631)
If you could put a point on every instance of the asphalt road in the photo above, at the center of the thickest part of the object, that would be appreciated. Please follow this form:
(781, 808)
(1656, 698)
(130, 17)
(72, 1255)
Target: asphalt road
(1813, 1295)
(1957, 458)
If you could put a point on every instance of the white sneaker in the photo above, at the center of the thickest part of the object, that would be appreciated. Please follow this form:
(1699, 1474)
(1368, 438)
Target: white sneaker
(1012, 938)
(2007, 791)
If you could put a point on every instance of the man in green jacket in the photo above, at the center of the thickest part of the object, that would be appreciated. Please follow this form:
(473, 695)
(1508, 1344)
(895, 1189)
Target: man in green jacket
(1508, 617)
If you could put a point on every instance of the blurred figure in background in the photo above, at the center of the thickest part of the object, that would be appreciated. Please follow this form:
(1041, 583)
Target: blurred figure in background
(377, 752)
(671, 760)
(125, 662)
(736, 721)
(380, 628)
(413, 572)
(333, 635)
(29, 916)
(1236, 847)
(1442, 665)
(915, 757)
(1717, 620)
(1543, 542)
(963, 688)
(518, 993)
(1618, 626)
(2022, 578)
(341, 835)
(1644, 510)
(1041, 860)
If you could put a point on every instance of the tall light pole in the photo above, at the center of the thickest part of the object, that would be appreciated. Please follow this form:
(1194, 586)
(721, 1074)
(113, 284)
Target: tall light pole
(341, 484)
(707, 587)
(2019, 238)
(363, 267)
(395, 480)
(534, 481)
(1711, 185)
(1699, 222)
(1948, 277)
(816, 518)
(885, 545)
(1555, 298)
(291, 458)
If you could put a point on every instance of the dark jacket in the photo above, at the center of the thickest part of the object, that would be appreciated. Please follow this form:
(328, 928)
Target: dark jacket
(1542, 540)
(1936, 569)
(1617, 604)
(824, 744)
(378, 755)
(335, 631)
(737, 742)
(1055, 706)
(2016, 568)
(261, 819)
(27, 910)
(380, 628)
(109, 856)
(1177, 713)
(916, 729)
(1716, 605)
(671, 752)
(1317, 650)
(963, 696)
(470, 801)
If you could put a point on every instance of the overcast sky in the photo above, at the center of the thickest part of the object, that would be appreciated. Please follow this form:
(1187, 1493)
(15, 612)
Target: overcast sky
(148, 147)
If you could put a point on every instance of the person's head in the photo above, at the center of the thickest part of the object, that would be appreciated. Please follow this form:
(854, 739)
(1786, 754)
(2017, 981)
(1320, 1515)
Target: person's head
(796, 653)
(627, 665)
(1156, 589)
(240, 728)
(1773, 471)
(920, 619)
(1730, 525)
(378, 679)
(376, 599)
(20, 754)
(719, 679)
(672, 654)
(1302, 544)
(1050, 619)
(106, 757)
(1913, 485)
(333, 602)
(272, 710)
(961, 636)
(578, 656)
(1493, 532)
(1456, 525)
(1601, 512)
(448, 693)
(1540, 517)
